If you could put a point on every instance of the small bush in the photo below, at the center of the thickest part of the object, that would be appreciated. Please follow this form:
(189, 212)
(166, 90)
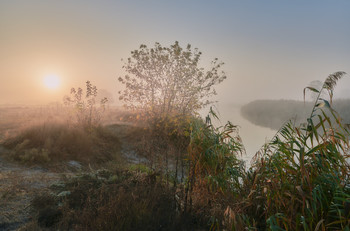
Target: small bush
(88, 115)
(140, 168)
(35, 156)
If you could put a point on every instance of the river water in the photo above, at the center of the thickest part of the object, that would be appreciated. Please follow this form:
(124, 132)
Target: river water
(253, 136)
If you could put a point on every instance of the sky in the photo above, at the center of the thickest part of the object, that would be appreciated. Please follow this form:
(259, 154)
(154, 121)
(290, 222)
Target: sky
(272, 49)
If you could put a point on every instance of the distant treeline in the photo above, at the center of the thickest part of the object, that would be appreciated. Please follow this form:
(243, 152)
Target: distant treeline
(274, 113)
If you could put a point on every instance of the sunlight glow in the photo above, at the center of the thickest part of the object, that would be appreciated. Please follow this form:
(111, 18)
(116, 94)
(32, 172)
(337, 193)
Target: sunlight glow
(52, 81)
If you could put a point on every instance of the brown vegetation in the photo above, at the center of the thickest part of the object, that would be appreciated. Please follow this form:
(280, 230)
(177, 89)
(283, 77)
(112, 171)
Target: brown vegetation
(298, 181)
(51, 142)
(128, 200)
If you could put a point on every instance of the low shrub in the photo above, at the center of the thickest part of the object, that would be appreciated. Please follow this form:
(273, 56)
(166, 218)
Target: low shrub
(126, 200)
(50, 142)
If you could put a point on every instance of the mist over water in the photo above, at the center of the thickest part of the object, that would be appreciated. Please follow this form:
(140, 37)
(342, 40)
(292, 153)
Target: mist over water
(253, 136)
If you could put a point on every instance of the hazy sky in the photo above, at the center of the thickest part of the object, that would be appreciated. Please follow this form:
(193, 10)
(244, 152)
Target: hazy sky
(271, 49)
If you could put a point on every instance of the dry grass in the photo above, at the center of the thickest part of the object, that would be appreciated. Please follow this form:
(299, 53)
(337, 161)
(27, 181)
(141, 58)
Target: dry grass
(17, 118)
(18, 187)
(299, 181)
(52, 142)
(104, 200)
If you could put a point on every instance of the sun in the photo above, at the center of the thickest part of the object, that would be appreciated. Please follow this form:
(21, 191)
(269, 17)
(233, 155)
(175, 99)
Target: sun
(52, 81)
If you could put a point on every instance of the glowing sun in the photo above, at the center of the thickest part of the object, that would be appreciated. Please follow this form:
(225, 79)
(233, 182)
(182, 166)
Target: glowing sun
(52, 81)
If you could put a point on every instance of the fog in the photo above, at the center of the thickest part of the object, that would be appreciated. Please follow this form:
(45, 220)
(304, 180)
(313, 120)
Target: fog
(271, 49)
(253, 136)
(274, 113)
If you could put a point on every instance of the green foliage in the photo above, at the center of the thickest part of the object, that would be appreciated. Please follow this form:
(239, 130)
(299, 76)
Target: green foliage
(215, 171)
(298, 181)
(140, 168)
(213, 153)
(302, 177)
(166, 80)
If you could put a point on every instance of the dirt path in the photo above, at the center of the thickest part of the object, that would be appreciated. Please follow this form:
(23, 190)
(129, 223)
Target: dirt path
(18, 186)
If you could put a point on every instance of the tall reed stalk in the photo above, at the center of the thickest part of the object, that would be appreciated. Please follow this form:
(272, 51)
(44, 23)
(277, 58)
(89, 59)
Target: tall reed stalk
(301, 181)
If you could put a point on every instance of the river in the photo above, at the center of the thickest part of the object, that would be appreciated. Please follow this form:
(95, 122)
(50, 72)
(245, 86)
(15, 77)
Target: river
(253, 136)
